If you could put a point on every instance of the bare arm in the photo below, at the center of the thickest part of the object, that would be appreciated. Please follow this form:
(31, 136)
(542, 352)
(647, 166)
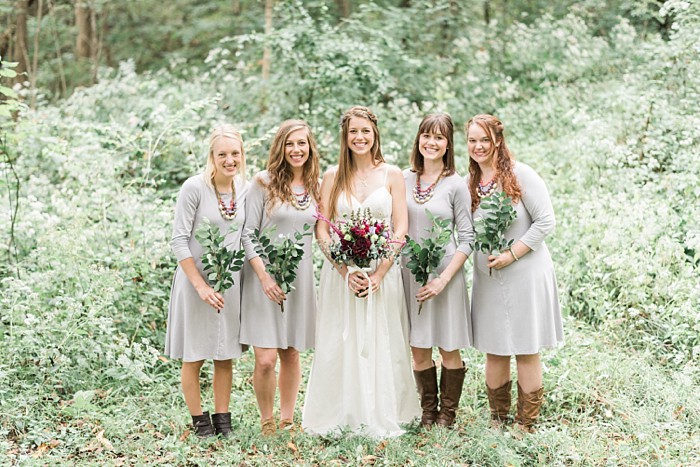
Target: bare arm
(399, 220)
(323, 230)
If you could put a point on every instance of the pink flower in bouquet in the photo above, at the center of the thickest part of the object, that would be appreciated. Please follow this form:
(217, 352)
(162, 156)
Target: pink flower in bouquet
(361, 239)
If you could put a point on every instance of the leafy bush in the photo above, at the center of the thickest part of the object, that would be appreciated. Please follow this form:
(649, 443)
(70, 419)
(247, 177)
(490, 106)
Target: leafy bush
(608, 120)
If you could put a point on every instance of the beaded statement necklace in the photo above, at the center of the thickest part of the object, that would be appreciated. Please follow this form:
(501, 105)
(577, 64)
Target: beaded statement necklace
(423, 196)
(302, 200)
(227, 212)
(484, 190)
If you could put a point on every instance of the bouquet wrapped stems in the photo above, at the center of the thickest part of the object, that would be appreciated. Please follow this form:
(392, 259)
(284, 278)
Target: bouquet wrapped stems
(490, 229)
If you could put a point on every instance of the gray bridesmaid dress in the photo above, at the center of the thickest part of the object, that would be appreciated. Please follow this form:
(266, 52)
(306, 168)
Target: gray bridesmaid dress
(515, 311)
(262, 323)
(445, 320)
(195, 331)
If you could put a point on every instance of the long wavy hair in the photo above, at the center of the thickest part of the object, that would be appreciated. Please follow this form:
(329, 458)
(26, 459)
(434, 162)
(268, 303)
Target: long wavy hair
(223, 130)
(505, 161)
(279, 187)
(346, 163)
(435, 123)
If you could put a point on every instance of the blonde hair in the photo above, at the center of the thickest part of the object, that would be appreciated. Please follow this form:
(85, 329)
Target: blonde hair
(346, 164)
(224, 130)
(505, 161)
(279, 186)
(435, 123)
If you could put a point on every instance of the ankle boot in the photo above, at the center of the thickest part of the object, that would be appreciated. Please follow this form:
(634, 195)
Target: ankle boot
(528, 409)
(499, 403)
(202, 425)
(426, 382)
(222, 424)
(451, 382)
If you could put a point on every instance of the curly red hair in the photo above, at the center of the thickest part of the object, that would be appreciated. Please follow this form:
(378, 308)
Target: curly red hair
(505, 161)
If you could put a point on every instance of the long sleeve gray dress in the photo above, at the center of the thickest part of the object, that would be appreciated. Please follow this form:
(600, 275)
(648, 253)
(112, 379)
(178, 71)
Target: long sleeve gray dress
(515, 311)
(262, 322)
(195, 330)
(445, 320)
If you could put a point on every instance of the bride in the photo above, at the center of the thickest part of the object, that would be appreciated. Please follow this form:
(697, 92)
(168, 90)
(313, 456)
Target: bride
(361, 376)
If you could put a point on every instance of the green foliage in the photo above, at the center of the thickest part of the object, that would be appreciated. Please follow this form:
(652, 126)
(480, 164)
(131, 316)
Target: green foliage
(490, 229)
(602, 106)
(281, 258)
(8, 97)
(425, 257)
(219, 262)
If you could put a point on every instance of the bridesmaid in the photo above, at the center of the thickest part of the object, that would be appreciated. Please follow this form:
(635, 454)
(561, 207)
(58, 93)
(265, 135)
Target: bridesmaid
(284, 196)
(515, 311)
(445, 320)
(204, 324)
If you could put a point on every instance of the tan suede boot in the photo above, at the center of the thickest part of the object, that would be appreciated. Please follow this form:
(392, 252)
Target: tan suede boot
(499, 403)
(528, 409)
(451, 382)
(426, 382)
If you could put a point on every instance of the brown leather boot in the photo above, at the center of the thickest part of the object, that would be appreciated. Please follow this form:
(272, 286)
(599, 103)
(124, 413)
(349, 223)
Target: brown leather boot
(426, 382)
(528, 409)
(499, 403)
(451, 382)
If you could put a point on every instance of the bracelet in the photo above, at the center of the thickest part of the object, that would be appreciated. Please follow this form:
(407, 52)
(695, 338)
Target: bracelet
(510, 248)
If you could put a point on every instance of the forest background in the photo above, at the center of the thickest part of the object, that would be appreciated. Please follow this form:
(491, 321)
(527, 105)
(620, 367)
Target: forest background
(109, 116)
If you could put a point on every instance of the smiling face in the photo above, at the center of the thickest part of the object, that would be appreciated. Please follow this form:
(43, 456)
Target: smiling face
(296, 148)
(481, 148)
(432, 145)
(360, 136)
(227, 155)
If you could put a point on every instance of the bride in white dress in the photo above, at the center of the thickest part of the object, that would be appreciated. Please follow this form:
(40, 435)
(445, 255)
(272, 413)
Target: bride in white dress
(361, 379)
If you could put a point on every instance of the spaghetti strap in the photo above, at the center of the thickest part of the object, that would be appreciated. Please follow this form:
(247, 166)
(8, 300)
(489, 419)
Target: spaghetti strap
(386, 173)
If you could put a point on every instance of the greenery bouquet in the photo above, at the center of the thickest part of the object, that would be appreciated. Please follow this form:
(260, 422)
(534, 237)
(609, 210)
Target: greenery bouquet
(219, 262)
(425, 257)
(283, 257)
(490, 228)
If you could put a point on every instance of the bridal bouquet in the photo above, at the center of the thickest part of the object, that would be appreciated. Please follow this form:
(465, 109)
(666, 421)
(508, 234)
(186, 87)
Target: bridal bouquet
(361, 239)
(219, 262)
(282, 258)
(425, 257)
(490, 229)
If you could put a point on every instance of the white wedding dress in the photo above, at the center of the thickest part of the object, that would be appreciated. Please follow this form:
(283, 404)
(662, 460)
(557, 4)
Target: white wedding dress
(361, 379)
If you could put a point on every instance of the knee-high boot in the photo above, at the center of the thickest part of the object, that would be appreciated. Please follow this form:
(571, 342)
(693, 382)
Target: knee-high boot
(528, 409)
(499, 403)
(426, 382)
(451, 382)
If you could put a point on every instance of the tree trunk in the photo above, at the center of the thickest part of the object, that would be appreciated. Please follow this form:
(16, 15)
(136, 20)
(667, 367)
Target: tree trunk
(268, 30)
(6, 40)
(343, 8)
(85, 39)
(236, 7)
(487, 12)
(20, 51)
